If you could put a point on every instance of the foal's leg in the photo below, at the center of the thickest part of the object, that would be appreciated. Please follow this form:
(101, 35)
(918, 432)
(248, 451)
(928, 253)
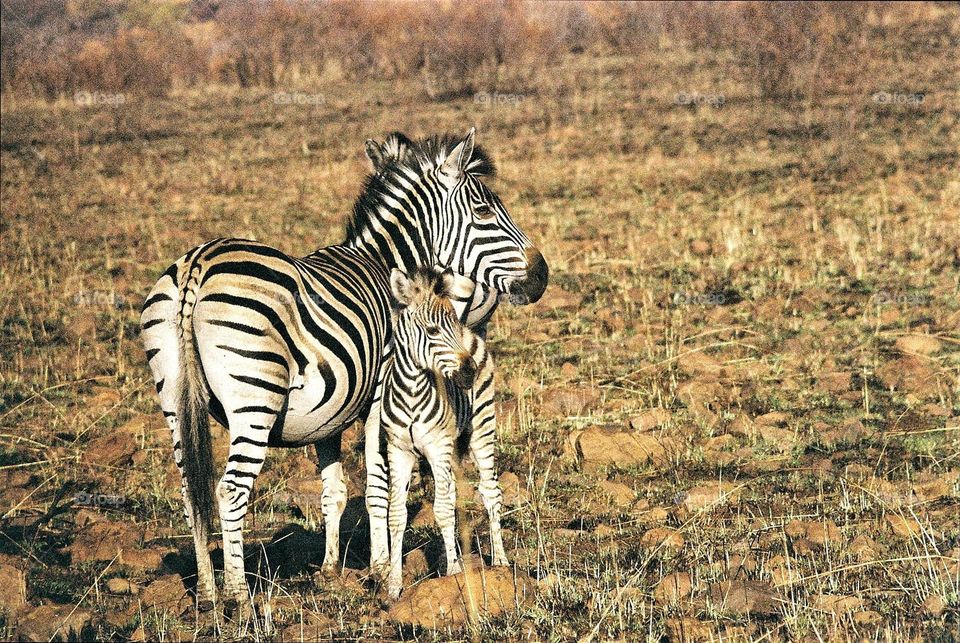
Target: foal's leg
(333, 498)
(440, 453)
(401, 468)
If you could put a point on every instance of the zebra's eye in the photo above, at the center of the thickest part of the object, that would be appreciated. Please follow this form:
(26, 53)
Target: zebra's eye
(484, 211)
(433, 330)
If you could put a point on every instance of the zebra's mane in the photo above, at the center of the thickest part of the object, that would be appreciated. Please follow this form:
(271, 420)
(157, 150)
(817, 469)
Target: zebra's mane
(400, 154)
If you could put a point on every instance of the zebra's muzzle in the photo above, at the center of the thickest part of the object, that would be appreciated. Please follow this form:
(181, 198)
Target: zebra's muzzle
(531, 288)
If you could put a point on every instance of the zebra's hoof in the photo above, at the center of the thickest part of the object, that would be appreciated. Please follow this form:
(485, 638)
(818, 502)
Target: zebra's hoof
(204, 605)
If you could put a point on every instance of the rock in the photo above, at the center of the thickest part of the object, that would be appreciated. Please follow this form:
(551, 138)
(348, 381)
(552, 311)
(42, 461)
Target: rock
(514, 491)
(145, 559)
(835, 382)
(817, 533)
(904, 527)
(569, 401)
(55, 623)
(865, 548)
(662, 536)
(619, 493)
(415, 565)
(166, 594)
(115, 449)
(104, 541)
(783, 573)
(868, 617)
(442, 602)
(774, 418)
(649, 420)
(13, 590)
(908, 374)
(837, 605)
(423, 517)
(672, 589)
(745, 597)
(917, 345)
(710, 495)
(569, 371)
(313, 627)
(690, 629)
(932, 486)
(603, 530)
(122, 586)
(934, 605)
(598, 448)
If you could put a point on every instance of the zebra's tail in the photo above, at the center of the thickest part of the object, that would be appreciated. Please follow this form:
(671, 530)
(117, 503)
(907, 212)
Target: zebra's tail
(192, 404)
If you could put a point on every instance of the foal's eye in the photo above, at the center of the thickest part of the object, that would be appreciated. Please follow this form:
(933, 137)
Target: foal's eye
(433, 330)
(483, 211)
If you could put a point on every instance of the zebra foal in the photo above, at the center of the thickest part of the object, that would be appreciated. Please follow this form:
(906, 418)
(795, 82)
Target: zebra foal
(425, 398)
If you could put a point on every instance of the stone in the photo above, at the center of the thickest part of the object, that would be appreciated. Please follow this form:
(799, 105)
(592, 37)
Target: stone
(445, 602)
(569, 400)
(672, 589)
(688, 629)
(745, 597)
(908, 374)
(649, 420)
(711, 495)
(166, 594)
(598, 448)
(619, 493)
(864, 548)
(122, 586)
(836, 604)
(104, 540)
(55, 623)
(662, 536)
(903, 527)
(115, 449)
(514, 491)
(13, 590)
(917, 345)
(817, 533)
(934, 605)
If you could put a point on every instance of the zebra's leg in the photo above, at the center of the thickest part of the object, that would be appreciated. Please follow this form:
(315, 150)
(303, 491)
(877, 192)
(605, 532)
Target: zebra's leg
(401, 470)
(378, 480)
(333, 498)
(249, 431)
(483, 439)
(160, 340)
(440, 454)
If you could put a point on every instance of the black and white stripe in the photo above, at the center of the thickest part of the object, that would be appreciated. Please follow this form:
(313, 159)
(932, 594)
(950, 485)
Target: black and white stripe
(427, 409)
(289, 351)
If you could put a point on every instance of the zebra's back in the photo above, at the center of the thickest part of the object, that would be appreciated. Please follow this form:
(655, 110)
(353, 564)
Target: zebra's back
(310, 329)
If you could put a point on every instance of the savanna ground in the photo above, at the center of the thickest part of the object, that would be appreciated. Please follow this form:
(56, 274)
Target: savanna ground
(735, 413)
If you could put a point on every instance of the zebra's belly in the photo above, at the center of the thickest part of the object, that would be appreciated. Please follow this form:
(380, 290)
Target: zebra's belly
(310, 418)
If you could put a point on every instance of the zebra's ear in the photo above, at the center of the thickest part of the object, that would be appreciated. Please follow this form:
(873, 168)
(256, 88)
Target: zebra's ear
(459, 157)
(374, 154)
(400, 286)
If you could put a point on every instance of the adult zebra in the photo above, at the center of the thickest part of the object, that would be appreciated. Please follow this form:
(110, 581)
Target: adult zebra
(288, 352)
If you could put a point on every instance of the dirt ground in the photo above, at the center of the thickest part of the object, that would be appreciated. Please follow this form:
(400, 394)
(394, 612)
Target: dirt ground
(734, 415)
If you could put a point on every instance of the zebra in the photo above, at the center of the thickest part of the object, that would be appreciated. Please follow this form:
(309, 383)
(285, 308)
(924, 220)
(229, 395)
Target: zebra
(435, 360)
(287, 351)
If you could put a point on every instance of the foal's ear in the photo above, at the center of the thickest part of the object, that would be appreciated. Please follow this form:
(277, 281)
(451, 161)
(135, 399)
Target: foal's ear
(456, 286)
(401, 287)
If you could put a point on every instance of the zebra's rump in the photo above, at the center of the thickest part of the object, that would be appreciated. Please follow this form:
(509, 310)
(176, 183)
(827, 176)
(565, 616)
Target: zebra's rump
(311, 330)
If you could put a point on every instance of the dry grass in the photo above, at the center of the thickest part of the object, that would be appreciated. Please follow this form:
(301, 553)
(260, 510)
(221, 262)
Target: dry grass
(752, 252)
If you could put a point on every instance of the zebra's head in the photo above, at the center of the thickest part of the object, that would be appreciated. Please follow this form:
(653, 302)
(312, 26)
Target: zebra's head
(427, 332)
(465, 225)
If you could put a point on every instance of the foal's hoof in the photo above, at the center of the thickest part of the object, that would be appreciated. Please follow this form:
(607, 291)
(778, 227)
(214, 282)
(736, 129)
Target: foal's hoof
(204, 605)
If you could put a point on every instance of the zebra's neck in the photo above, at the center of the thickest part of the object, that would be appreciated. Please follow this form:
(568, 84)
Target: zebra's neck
(410, 383)
(389, 222)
